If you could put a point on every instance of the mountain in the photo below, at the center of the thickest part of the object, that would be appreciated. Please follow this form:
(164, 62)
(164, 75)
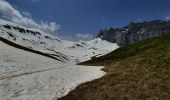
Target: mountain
(140, 71)
(35, 65)
(135, 32)
(66, 51)
(26, 75)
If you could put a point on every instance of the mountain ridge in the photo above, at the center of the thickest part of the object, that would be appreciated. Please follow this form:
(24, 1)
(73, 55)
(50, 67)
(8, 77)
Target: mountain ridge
(63, 50)
(28, 72)
(135, 32)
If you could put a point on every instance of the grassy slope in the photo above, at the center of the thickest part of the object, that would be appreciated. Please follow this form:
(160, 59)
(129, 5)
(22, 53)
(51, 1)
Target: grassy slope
(136, 72)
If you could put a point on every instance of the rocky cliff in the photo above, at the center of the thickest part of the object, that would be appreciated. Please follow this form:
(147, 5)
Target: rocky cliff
(135, 32)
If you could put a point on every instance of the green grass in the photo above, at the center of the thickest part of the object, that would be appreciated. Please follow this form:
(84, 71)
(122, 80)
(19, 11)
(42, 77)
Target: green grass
(135, 72)
(132, 50)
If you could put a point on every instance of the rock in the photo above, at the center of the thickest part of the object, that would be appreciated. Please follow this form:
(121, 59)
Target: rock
(135, 32)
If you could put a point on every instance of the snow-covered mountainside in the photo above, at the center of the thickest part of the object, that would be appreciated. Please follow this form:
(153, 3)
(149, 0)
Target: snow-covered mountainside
(29, 76)
(65, 51)
(39, 66)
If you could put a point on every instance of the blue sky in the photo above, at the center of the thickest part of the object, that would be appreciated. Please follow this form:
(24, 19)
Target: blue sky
(89, 16)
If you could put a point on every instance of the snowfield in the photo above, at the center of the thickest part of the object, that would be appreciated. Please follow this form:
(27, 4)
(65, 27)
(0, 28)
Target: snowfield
(28, 76)
(67, 51)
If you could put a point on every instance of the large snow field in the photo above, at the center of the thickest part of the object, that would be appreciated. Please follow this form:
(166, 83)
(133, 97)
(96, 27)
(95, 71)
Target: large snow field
(28, 76)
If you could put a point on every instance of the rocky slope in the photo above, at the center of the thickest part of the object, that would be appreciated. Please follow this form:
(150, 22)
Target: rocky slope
(135, 32)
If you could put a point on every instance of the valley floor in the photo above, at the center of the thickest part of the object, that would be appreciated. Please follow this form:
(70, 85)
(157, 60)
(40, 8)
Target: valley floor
(28, 76)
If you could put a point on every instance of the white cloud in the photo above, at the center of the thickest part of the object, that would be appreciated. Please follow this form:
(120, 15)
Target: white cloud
(77, 37)
(167, 17)
(10, 13)
(27, 14)
(85, 37)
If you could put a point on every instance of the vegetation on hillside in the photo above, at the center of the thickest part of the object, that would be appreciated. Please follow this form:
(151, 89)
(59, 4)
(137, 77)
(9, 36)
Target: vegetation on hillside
(135, 72)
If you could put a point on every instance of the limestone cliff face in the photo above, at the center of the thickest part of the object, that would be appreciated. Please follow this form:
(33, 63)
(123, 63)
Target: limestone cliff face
(135, 32)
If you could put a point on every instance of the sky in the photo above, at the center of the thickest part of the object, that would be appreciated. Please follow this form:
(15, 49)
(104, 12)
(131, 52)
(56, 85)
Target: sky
(85, 18)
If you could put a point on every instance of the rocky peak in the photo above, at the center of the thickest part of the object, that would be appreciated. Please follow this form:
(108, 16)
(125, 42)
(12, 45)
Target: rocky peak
(135, 32)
